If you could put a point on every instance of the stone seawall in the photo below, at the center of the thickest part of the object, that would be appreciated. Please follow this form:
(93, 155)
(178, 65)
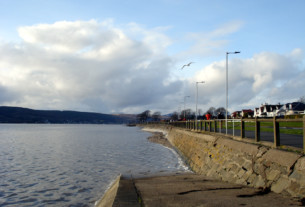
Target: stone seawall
(240, 162)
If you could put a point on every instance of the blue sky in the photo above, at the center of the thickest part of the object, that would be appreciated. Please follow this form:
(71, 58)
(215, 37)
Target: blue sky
(125, 56)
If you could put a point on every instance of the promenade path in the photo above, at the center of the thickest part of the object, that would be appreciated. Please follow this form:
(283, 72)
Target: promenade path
(186, 190)
(285, 139)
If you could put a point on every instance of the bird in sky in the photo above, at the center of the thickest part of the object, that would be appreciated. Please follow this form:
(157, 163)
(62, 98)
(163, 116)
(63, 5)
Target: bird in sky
(187, 65)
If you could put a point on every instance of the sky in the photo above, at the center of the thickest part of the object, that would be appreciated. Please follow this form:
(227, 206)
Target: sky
(126, 56)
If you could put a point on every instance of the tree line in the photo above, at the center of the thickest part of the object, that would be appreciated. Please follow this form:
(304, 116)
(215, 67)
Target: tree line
(148, 116)
(186, 114)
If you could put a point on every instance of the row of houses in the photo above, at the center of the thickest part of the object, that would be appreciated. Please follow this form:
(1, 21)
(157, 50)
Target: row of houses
(269, 110)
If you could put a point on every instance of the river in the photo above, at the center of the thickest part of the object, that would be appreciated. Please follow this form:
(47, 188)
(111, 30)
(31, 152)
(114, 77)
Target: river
(72, 165)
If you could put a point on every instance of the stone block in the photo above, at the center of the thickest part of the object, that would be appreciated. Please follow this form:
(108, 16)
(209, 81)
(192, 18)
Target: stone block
(226, 176)
(298, 176)
(241, 173)
(247, 175)
(247, 165)
(251, 179)
(258, 168)
(273, 175)
(241, 181)
(300, 165)
(294, 189)
(267, 163)
(284, 170)
(259, 182)
(212, 171)
(235, 169)
(282, 158)
(262, 151)
(248, 157)
(281, 184)
(302, 191)
(240, 161)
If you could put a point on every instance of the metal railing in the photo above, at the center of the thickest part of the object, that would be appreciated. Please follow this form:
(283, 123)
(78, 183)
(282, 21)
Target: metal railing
(259, 129)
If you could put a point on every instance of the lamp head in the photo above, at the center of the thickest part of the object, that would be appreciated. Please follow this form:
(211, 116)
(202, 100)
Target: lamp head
(236, 52)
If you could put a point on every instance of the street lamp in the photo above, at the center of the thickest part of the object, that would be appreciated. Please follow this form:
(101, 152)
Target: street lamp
(197, 99)
(227, 54)
(179, 109)
(184, 104)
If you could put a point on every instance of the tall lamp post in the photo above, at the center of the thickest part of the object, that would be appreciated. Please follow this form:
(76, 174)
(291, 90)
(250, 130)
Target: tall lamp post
(184, 104)
(227, 54)
(197, 99)
(179, 109)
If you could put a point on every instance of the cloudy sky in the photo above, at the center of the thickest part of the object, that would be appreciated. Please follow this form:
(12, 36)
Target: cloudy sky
(125, 56)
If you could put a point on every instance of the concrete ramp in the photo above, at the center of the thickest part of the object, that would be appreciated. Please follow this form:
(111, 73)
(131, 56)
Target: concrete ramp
(193, 190)
(126, 194)
(109, 197)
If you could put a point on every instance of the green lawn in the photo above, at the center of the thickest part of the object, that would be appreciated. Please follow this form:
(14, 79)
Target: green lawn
(268, 127)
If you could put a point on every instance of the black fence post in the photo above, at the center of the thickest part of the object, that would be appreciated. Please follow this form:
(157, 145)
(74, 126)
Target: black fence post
(242, 128)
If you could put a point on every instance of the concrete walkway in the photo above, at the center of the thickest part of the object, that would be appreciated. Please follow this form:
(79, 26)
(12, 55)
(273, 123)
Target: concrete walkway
(293, 140)
(193, 190)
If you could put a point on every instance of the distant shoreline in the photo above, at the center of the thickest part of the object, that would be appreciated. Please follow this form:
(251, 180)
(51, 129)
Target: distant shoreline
(19, 115)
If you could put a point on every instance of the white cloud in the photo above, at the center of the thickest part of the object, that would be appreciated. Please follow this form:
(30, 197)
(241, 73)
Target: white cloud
(155, 37)
(266, 77)
(86, 65)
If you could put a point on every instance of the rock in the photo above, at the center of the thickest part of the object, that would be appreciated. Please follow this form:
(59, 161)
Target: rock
(273, 175)
(300, 165)
(281, 184)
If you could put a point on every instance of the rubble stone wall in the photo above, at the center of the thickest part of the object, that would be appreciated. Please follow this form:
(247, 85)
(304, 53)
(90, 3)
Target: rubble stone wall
(239, 162)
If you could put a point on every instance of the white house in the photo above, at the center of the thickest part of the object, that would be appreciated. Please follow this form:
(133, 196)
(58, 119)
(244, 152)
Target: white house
(267, 110)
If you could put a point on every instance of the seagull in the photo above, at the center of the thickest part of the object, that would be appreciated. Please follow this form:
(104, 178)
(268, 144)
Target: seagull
(187, 65)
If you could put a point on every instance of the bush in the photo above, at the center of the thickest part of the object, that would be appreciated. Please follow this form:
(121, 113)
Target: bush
(296, 116)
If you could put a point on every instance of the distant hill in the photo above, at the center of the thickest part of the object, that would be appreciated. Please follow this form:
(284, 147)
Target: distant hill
(24, 115)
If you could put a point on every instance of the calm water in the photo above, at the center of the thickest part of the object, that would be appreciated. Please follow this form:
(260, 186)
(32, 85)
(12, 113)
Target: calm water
(72, 165)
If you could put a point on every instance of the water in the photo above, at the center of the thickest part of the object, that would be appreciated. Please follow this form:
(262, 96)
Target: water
(72, 165)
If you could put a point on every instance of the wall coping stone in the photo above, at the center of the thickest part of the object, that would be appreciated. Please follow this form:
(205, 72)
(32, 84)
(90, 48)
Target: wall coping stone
(280, 157)
(239, 146)
(205, 137)
(300, 165)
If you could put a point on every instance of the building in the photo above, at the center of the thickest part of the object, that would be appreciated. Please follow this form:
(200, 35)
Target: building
(247, 113)
(236, 114)
(292, 109)
(267, 110)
